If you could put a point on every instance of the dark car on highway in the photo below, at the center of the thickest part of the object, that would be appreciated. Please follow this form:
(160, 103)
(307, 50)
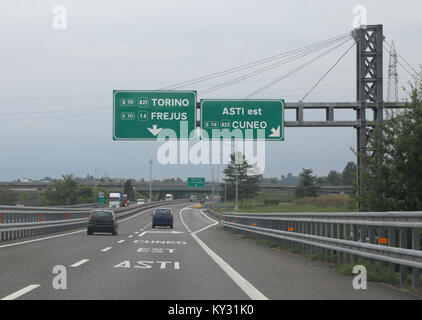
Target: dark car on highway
(162, 217)
(102, 221)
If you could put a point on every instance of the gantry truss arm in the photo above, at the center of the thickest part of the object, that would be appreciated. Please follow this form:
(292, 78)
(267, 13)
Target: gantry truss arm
(330, 107)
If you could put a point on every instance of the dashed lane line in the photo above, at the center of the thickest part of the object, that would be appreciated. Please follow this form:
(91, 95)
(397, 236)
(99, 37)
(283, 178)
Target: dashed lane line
(21, 292)
(77, 264)
(106, 249)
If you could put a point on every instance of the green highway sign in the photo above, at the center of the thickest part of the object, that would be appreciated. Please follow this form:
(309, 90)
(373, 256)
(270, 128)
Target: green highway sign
(148, 115)
(246, 119)
(196, 182)
(101, 198)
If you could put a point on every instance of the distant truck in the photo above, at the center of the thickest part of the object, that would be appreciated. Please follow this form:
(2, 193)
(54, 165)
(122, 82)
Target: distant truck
(115, 200)
(125, 201)
(169, 197)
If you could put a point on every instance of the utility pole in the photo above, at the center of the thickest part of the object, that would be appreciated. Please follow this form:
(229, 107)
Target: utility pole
(150, 180)
(393, 76)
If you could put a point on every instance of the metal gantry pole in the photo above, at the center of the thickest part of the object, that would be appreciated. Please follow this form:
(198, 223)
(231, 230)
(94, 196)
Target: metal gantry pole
(369, 76)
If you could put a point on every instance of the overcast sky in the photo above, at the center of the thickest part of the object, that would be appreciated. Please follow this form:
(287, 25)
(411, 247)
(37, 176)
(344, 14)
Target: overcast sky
(56, 85)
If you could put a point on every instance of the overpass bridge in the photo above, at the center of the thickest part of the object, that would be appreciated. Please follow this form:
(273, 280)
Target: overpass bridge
(167, 187)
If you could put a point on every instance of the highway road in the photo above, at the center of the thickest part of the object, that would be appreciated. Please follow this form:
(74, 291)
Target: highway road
(198, 259)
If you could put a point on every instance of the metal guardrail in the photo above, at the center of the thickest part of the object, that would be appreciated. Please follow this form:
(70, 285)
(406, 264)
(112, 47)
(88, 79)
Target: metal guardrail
(21, 222)
(392, 237)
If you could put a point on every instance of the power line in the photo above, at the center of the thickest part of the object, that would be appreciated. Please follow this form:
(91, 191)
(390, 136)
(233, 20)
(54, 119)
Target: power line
(264, 69)
(332, 67)
(249, 65)
(296, 69)
(301, 89)
(62, 116)
(53, 97)
(52, 111)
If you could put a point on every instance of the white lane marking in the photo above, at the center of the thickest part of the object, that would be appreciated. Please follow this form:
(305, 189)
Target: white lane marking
(243, 284)
(171, 232)
(130, 236)
(202, 212)
(106, 249)
(136, 215)
(120, 241)
(210, 225)
(64, 234)
(21, 292)
(183, 221)
(186, 226)
(136, 232)
(77, 264)
(45, 238)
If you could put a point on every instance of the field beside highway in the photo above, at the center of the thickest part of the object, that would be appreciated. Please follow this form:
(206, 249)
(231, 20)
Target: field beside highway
(287, 202)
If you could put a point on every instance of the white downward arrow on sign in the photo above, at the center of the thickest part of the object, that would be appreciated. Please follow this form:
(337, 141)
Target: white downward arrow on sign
(154, 130)
(275, 132)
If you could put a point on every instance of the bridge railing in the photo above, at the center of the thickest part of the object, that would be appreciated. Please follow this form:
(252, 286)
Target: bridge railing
(391, 238)
(21, 222)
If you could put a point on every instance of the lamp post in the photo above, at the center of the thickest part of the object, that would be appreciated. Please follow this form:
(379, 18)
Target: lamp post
(237, 187)
(150, 180)
(225, 195)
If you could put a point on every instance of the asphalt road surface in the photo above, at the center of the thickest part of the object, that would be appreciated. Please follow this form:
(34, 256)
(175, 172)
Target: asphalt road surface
(198, 259)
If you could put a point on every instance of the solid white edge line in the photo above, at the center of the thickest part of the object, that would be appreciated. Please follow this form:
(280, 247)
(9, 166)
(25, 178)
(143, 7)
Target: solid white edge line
(243, 284)
(21, 292)
(77, 264)
(39, 239)
(183, 221)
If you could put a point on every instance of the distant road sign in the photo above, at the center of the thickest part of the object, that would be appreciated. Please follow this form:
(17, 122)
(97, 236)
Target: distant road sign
(101, 198)
(196, 182)
(252, 119)
(142, 115)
